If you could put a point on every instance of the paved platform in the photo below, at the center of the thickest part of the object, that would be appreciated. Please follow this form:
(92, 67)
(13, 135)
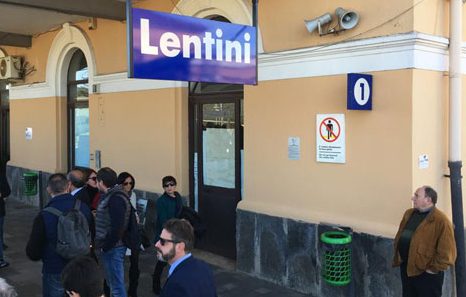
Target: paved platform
(26, 275)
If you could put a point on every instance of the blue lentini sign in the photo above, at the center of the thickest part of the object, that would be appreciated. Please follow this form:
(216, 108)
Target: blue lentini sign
(174, 47)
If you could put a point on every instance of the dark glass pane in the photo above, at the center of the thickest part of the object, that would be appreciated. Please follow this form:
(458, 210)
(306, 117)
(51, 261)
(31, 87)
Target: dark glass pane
(5, 99)
(79, 92)
(78, 67)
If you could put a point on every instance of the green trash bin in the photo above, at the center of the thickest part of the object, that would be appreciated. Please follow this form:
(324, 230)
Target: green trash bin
(336, 264)
(30, 183)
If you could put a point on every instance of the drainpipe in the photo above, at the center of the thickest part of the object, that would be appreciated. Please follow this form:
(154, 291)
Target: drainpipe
(455, 162)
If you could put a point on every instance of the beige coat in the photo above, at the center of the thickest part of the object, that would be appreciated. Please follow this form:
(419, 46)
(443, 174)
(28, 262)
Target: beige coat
(432, 244)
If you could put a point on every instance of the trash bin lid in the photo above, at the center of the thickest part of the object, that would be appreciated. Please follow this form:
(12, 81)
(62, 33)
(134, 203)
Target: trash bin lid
(335, 237)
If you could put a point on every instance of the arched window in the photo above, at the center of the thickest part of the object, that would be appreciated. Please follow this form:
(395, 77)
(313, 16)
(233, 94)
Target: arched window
(78, 111)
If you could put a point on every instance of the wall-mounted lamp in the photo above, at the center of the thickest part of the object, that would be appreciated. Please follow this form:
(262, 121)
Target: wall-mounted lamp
(347, 19)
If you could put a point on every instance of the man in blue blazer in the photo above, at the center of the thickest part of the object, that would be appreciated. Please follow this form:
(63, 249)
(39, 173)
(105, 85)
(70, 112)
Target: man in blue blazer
(187, 276)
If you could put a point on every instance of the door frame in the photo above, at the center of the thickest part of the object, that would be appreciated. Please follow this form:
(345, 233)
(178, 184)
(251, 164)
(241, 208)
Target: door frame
(196, 101)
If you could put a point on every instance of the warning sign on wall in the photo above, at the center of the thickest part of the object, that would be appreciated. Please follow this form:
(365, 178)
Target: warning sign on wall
(330, 138)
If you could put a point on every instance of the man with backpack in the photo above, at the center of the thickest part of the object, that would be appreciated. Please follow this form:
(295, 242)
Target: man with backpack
(58, 234)
(113, 229)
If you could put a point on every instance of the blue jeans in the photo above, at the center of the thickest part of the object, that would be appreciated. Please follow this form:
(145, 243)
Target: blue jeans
(113, 263)
(2, 218)
(51, 285)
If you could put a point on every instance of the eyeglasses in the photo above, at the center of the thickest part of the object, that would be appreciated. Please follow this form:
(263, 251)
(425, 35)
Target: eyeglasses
(163, 241)
(169, 185)
(128, 183)
(94, 178)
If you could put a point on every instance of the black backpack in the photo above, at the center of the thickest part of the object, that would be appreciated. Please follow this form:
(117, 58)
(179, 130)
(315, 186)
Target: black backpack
(194, 219)
(73, 235)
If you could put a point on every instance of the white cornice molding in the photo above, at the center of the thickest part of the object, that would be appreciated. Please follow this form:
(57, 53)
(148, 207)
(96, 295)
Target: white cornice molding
(110, 83)
(401, 51)
(119, 82)
(32, 91)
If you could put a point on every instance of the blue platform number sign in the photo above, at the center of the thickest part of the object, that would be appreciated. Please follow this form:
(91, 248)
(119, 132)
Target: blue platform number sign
(359, 91)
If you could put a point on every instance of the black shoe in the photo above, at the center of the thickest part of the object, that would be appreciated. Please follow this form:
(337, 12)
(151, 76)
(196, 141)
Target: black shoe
(4, 264)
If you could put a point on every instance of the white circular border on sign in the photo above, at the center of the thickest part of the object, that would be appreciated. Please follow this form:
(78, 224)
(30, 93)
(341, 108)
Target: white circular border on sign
(361, 91)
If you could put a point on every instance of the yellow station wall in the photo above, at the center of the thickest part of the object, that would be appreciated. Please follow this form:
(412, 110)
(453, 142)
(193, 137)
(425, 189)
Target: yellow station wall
(145, 132)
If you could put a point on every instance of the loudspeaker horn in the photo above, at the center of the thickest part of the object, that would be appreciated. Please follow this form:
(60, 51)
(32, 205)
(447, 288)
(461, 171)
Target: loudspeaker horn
(346, 18)
(311, 25)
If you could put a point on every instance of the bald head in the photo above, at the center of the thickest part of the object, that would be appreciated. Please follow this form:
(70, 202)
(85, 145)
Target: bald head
(76, 178)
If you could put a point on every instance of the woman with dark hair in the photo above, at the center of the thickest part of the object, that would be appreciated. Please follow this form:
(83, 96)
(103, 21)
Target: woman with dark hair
(91, 187)
(127, 182)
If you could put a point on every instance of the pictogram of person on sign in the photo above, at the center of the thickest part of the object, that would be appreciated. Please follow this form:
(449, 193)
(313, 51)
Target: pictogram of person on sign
(329, 126)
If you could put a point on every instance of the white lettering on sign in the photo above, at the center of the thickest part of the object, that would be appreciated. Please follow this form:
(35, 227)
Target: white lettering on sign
(146, 48)
(171, 45)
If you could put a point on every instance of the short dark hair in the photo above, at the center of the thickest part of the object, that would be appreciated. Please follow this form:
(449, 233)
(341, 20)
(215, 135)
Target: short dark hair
(168, 179)
(181, 231)
(77, 177)
(83, 276)
(431, 193)
(123, 176)
(57, 183)
(108, 176)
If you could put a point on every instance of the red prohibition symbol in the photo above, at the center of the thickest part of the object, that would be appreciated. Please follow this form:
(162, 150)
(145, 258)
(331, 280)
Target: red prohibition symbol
(329, 129)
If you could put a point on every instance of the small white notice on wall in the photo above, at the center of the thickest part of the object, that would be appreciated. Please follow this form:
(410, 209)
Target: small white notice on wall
(28, 133)
(423, 161)
(294, 149)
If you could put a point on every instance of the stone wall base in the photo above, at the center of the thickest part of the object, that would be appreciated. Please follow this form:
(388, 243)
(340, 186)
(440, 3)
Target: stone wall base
(289, 253)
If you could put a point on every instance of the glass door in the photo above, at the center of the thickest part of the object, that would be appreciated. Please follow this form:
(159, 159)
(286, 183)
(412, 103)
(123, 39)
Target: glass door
(216, 140)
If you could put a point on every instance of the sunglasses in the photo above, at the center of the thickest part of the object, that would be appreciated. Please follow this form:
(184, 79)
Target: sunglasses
(94, 178)
(163, 241)
(169, 185)
(128, 183)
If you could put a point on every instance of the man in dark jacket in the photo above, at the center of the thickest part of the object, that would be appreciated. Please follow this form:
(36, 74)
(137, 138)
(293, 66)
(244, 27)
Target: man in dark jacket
(4, 192)
(43, 238)
(112, 219)
(424, 246)
(168, 206)
(187, 276)
(77, 181)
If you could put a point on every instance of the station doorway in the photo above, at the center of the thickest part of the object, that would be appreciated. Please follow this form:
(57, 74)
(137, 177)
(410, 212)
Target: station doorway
(216, 150)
